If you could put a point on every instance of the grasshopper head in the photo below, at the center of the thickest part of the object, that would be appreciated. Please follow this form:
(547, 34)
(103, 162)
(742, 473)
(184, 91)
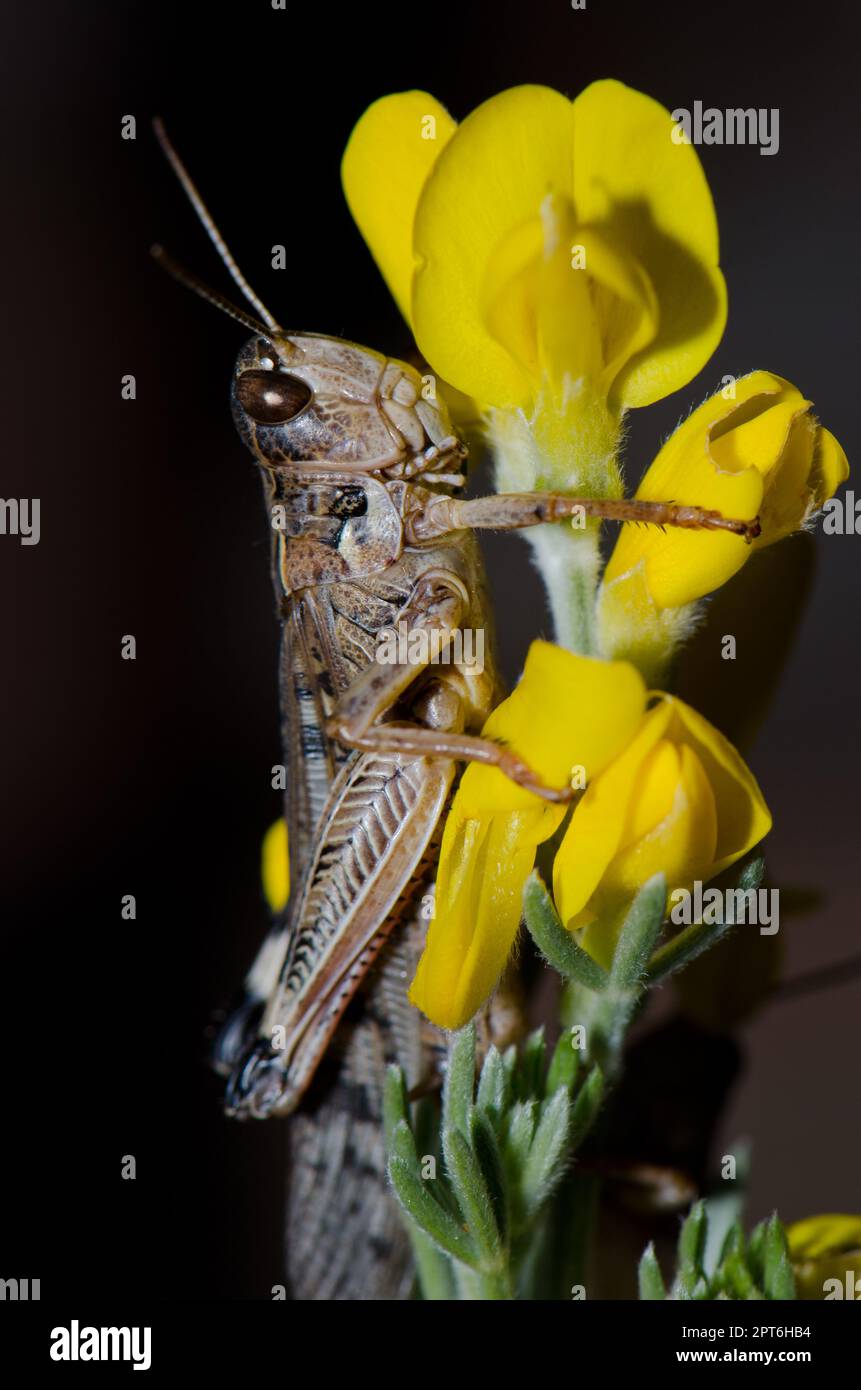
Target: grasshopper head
(318, 403)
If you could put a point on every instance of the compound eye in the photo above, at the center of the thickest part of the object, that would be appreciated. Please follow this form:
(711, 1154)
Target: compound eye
(272, 398)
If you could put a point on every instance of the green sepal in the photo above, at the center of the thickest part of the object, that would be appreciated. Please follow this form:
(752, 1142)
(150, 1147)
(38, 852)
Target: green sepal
(640, 931)
(557, 945)
(693, 940)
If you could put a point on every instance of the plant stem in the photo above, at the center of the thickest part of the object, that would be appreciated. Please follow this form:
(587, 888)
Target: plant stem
(568, 561)
(483, 1286)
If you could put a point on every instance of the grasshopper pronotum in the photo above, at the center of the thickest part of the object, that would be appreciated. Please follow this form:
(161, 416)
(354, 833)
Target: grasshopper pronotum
(364, 473)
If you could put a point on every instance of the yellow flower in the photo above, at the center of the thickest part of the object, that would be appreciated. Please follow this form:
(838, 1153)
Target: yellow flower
(543, 243)
(275, 866)
(567, 712)
(760, 452)
(679, 800)
(824, 1250)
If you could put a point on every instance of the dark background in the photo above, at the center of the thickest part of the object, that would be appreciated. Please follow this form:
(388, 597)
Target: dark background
(152, 777)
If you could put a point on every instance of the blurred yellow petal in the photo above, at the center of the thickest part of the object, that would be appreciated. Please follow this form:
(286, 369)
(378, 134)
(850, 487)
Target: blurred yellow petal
(632, 178)
(385, 166)
(826, 1256)
(508, 154)
(275, 866)
(483, 866)
(823, 1235)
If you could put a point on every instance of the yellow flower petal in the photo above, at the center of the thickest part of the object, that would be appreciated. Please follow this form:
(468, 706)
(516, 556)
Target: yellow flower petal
(275, 866)
(384, 169)
(566, 711)
(681, 566)
(679, 800)
(594, 304)
(743, 816)
(594, 836)
(492, 178)
(830, 468)
(631, 178)
(483, 866)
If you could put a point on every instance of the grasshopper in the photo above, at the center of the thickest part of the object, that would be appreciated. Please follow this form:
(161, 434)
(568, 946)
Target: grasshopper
(362, 478)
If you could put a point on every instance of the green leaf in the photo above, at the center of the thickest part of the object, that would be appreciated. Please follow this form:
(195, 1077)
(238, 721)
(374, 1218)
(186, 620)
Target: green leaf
(650, 1279)
(459, 1080)
(563, 1068)
(733, 1243)
(756, 1251)
(736, 1278)
(546, 1162)
(436, 1223)
(403, 1146)
(493, 1084)
(692, 1239)
(486, 1149)
(557, 945)
(586, 1106)
(521, 1128)
(395, 1104)
(473, 1198)
(693, 1235)
(529, 1077)
(639, 933)
(778, 1280)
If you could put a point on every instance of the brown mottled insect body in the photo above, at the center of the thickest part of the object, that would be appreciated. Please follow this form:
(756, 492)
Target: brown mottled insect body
(362, 824)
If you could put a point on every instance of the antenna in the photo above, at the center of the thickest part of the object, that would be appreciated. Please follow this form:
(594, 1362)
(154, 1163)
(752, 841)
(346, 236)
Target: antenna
(215, 237)
(191, 282)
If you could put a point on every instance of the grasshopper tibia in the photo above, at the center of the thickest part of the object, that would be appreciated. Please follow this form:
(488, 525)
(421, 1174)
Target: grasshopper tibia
(514, 510)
